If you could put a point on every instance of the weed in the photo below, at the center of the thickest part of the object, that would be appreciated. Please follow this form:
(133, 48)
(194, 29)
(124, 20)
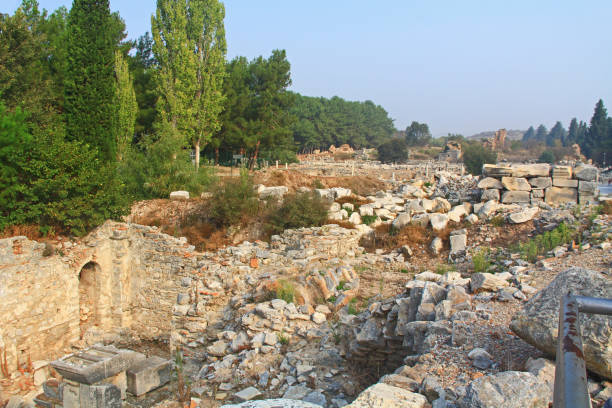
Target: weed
(368, 219)
(498, 221)
(296, 211)
(285, 291)
(332, 299)
(404, 271)
(48, 251)
(441, 269)
(316, 183)
(427, 184)
(283, 338)
(547, 241)
(341, 285)
(183, 384)
(352, 307)
(481, 260)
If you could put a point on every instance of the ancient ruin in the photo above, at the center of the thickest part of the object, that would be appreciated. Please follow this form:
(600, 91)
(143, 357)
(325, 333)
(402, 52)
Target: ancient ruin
(325, 316)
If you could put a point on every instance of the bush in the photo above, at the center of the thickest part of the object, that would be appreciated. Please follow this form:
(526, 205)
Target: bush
(475, 155)
(481, 261)
(233, 201)
(160, 166)
(547, 157)
(48, 181)
(297, 210)
(285, 291)
(368, 219)
(545, 242)
(394, 150)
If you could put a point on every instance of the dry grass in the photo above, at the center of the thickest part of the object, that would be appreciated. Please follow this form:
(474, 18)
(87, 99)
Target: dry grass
(353, 200)
(343, 224)
(31, 231)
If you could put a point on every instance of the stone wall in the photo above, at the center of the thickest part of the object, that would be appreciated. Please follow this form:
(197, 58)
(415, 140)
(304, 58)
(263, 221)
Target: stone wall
(534, 183)
(122, 276)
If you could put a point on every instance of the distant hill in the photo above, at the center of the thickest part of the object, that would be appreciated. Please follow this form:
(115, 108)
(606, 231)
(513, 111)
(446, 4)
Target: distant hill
(512, 135)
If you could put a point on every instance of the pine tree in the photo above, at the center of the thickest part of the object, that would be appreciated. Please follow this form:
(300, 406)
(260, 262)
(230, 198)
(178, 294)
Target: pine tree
(529, 134)
(541, 134)
(597, 137)
(89, 83)
(572, 134)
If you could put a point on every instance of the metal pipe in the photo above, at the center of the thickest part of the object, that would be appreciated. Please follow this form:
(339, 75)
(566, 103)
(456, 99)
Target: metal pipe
(570, 372)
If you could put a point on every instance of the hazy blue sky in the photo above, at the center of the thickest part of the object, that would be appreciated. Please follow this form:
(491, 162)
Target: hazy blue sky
(460, 66)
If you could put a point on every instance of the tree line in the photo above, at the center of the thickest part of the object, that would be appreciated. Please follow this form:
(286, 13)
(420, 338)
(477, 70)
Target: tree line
(594, 138)
(90, 121)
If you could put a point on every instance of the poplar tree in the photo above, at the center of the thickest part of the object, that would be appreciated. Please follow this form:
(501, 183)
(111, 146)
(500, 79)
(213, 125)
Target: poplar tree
(189, 46)
(126, 106)
(89, 83)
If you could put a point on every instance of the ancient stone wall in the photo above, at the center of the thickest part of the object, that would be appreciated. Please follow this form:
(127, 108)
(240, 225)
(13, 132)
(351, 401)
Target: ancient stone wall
(120, 277)
(38, 309)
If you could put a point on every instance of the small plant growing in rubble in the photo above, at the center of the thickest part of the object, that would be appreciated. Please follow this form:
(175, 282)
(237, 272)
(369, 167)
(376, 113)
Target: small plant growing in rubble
(183, 389)
(341, 285)
(285, 291)
(332, 299)
(368, 219)
(498, 221)
(283, 338)
(352, 307)
(481, 261)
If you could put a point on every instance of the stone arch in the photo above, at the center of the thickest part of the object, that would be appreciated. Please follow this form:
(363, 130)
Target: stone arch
(90, 290)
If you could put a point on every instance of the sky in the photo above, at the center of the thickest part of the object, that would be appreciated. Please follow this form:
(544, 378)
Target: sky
(460, 66)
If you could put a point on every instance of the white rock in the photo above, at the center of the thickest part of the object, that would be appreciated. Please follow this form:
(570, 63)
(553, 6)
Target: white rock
(179, 195)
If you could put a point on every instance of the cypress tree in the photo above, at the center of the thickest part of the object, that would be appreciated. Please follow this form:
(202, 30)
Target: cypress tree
(89, 85)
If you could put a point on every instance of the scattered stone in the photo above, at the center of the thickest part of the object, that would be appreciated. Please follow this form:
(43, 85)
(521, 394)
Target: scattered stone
(385, 396)
(508, 389)
(486, 282)
(179, 195)
(523, 216)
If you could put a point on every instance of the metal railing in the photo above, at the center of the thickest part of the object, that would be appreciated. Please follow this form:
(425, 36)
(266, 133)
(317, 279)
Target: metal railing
(570, 373)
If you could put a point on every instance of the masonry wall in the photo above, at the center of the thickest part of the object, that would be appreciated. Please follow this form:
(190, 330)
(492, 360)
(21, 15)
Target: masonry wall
(138, 275)
(38, 311)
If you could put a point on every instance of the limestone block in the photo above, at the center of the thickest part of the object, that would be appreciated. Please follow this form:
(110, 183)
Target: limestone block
(438, 221)
(487, 282)
(540, 182)
(248, 394)
(562, 172)
(487, 208)
(537, 322)
(490, 182)
(355, 218)
(589, 187)
(563, 182)
(401, 221)
(523, 216)
(560, 195)
(509, 389)
(510, 197)
(537, 194)
(490, 194)
(493, 170)
(366, 210)
(179, 195)
(383, 395)
(277, 192)
(586, 173)
(420, 219)
(531, 170)
(516, 184)
(100, 396)
(148, 374)
(458, 243)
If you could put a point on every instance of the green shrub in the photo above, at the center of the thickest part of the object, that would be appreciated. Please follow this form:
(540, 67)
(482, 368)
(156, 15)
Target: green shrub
(547, 157)
(283, 338)
(317, 184)
(51, 182)
(285, 291)
(394, 150)
(547, 241)
(368, 219)
(352, 307)
(475, 155)
(341, 285)
(159, 166)
(297, 210)
(480, 260)
(498, 221)
(234, 200)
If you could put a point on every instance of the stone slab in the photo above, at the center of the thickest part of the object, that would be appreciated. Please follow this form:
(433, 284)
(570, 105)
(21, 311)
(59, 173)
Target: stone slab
(559, 195)
(146, 375)
(510, 197)
(563, 182)
(516, 184)
(83, 368)
(531, 170)
(540, 182)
